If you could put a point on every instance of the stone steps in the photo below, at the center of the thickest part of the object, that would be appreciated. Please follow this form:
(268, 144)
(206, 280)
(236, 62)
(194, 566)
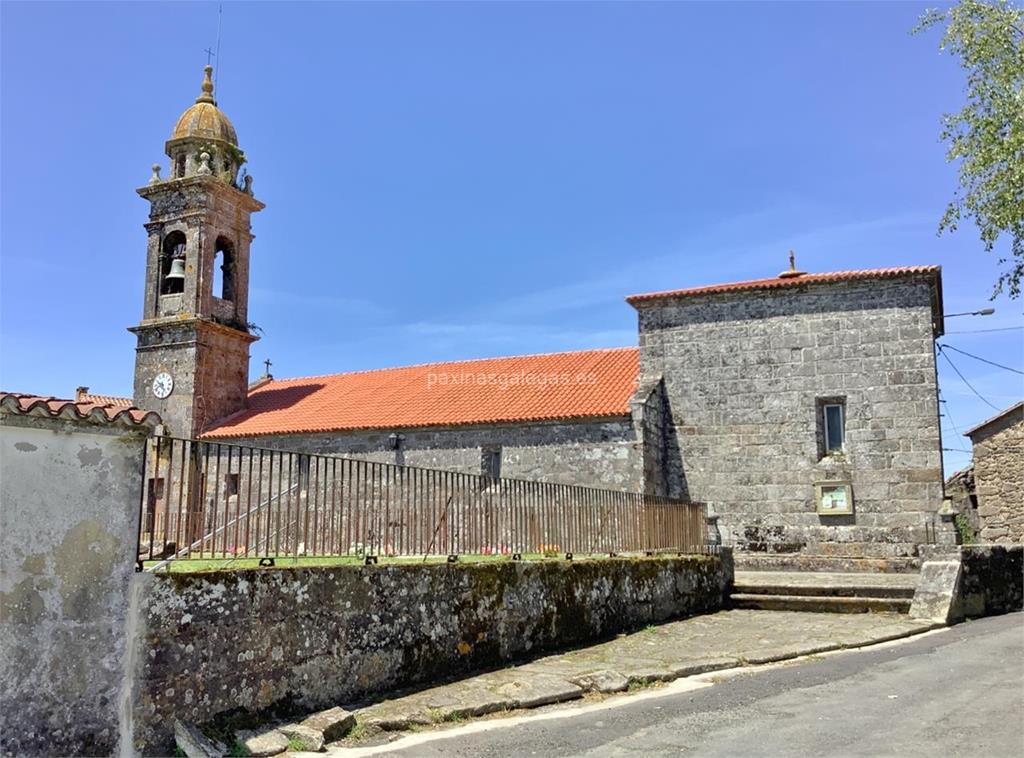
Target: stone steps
(820, 603)
(797, 562)
(823, 592)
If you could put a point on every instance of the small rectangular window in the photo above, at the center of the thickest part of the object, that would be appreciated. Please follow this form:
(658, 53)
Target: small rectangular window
(231, 484)
(835, 432)
(490, 461)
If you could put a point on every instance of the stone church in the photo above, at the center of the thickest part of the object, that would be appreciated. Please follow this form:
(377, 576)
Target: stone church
(801, 407)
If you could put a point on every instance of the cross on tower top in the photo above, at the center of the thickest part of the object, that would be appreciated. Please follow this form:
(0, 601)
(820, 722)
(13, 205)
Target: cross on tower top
(268, 364)
(209, 54)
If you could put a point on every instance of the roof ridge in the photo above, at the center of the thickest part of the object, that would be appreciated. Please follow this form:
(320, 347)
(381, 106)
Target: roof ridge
(275, 380)
(772, 282)
(57, 407)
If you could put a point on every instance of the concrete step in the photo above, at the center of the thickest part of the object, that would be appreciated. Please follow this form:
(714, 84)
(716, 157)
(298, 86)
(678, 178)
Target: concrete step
(820, 604)
(823, 590)
(805, 562)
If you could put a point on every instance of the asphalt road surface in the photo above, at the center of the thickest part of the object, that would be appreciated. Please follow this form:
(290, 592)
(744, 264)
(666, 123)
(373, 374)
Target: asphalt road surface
(958, 692)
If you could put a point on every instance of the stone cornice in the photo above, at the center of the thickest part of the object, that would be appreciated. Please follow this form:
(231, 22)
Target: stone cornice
(199, 324)
(207, 182)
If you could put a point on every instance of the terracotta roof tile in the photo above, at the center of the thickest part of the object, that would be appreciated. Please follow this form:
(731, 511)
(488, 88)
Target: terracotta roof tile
(794, 281)
(16, 402)
(119, 402)
(586, 384)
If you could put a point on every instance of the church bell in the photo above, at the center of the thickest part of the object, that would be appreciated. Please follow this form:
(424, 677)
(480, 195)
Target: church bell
(177, 271)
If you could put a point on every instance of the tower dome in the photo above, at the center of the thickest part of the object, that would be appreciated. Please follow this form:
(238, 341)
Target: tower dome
(205, 120)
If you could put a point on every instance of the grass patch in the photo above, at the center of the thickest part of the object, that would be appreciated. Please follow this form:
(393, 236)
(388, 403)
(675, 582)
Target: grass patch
(238, 750)
(359, 732)
(201, 565)
(297, 745)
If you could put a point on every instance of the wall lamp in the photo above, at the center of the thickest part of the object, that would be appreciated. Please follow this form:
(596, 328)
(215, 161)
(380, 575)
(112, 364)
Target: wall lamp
(982, 312)
(395, 440)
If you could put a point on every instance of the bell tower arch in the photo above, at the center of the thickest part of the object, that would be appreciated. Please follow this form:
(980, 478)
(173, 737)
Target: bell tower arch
(192, 357)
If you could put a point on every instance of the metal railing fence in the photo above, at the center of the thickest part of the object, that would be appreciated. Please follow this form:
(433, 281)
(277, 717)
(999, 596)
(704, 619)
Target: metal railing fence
(211, 500)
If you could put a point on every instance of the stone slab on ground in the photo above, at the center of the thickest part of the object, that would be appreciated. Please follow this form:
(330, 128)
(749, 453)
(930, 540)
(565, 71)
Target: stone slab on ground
(658, 653)
(333, 724)
(310, 739)
(263, 743)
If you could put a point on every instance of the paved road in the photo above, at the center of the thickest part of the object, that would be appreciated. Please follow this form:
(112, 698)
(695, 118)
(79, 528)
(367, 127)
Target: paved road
(959, 692)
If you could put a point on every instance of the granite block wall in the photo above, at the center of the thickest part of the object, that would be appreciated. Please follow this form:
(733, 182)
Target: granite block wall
(296, 640)
(604, 453)
(745, 374)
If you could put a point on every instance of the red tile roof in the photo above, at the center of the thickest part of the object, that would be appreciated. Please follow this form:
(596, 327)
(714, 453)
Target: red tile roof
(779, 282)
(118, 402)
(37, 405)
(586, 384)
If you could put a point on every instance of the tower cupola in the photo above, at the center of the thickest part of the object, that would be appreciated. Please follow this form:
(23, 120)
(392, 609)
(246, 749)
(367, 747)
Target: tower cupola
(204, 140)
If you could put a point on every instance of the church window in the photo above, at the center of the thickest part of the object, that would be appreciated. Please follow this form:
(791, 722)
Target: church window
(224, 269)
(490, 461)
(832, 425)
(231, 484)
(179, 166)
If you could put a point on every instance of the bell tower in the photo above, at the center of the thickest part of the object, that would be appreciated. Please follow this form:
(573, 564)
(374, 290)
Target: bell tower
(192, 357)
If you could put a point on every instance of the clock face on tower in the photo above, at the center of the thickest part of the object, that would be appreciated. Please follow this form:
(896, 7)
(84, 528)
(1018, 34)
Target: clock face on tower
(162, 385)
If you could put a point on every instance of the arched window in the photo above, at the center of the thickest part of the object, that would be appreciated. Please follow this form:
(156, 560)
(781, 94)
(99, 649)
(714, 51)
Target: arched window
(173, 247)
(224, 269)
(179, 166)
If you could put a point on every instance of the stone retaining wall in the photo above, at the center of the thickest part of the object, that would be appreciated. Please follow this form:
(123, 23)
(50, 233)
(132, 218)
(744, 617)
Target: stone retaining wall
(991, 579)
(293, 640)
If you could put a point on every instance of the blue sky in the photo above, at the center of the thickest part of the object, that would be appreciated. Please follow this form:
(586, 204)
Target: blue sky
(474, 179)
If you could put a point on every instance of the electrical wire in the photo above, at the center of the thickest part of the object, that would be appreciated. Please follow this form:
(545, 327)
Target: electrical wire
(964, 379)
(983, 360)
(983, 331)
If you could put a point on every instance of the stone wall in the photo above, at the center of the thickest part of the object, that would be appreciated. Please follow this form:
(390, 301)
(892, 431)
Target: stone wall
(745, 374)
(68, 530)
(999, 477)
(992, 579)
(605, 453)
(969, 582)
(295, 640)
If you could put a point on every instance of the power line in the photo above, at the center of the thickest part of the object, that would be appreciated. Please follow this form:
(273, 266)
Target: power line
(983, 360)
(964, 379)
(997, 329)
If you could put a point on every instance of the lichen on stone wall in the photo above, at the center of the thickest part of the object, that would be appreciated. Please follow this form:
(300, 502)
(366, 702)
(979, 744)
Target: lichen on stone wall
(300, 639)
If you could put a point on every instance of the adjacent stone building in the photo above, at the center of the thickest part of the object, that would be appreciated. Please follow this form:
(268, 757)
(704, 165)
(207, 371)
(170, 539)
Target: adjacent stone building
(777, 388)
(998, 453)
(802, 408)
